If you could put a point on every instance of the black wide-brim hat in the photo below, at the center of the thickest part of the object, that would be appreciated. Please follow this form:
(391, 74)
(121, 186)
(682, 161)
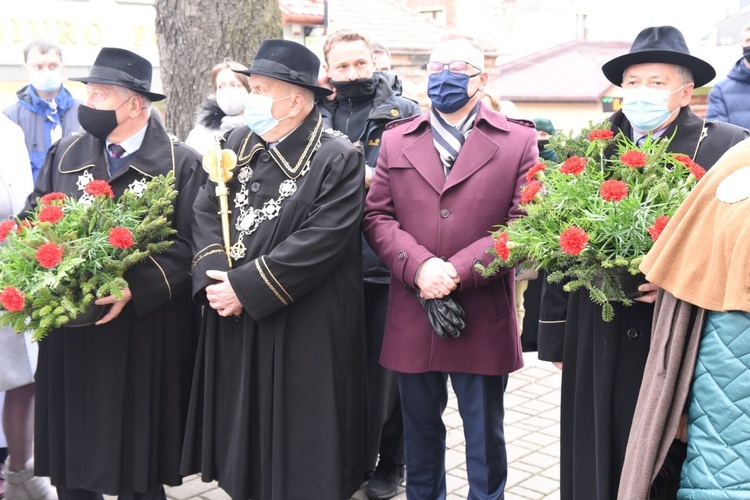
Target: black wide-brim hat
(289, 62)
(660, 44)
(121, 67)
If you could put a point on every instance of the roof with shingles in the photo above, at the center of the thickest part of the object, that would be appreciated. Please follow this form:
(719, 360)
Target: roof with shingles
(402, 29)
(571, 71)
(309, 12)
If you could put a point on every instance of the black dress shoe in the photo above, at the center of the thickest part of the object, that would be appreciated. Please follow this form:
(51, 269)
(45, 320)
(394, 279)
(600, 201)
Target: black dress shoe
(385, 481)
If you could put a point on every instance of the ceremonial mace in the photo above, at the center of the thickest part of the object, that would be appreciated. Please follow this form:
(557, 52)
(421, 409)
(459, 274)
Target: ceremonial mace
(219, 164)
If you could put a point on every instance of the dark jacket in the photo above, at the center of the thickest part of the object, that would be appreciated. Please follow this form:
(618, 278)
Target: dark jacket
(36, 127)
(385, 108)
(729, 100)
(394, 82)
(603, 363)
(127, 382)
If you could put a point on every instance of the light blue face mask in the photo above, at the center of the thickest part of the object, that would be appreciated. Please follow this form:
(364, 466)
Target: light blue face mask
(258, 114)
(646, 108)
(45, 81)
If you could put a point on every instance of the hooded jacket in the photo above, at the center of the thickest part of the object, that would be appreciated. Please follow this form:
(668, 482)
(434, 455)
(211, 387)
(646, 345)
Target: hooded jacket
(384, 107)
(729, 100)
(37, 118)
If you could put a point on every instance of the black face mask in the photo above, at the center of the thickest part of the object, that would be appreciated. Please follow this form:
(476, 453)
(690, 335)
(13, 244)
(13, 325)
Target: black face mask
(356, 89)
(97, 122)
(546, 154)
(746, 53)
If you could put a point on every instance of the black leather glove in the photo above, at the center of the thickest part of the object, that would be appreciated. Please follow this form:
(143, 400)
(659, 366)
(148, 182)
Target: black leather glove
(446, 316)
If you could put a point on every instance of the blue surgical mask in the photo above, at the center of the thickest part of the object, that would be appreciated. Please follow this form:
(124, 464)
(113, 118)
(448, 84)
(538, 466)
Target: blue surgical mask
(646, 108)
(258, 114)
(448, 92)
(45, 81)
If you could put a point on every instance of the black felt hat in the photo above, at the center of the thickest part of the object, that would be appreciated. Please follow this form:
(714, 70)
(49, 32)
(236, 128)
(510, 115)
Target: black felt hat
(660, 44)
(289, 62)
(121, 67)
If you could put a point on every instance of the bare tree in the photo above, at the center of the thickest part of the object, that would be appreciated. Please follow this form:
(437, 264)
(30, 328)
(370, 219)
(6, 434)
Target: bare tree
(194, 35)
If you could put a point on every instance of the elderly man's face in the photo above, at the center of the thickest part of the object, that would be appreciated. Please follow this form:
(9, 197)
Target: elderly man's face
(661, 77)
(106, 97)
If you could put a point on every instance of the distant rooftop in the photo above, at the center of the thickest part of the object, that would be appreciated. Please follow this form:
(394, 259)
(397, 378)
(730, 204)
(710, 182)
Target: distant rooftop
(569, 72)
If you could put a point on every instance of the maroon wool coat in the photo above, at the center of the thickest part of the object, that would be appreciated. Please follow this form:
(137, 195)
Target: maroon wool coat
(413, 213)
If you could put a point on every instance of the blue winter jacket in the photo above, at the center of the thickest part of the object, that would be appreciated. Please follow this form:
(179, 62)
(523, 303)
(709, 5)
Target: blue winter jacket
(36, 118)
(729, 100)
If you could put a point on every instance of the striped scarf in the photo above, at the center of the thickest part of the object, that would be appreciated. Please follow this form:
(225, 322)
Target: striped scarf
(448, 138)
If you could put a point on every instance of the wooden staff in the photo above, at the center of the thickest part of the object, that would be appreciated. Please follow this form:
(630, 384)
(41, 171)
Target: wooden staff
(219, 164)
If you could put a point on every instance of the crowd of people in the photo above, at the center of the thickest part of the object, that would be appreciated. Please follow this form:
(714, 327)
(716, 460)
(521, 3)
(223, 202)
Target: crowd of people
(306, 351)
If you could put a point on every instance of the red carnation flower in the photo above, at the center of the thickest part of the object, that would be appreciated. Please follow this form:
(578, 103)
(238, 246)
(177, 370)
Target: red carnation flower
(658, 226)
(573, 165)
(696, 170)
(97, 188)
(50, 197)
(613, 190)
(51, 213)
(634, 159)
(25, 224)
(49, 255)
(121, 237)
(12, 299)
(573, 240)
(601, 134)
(501, 246)
(5, 228)
(530, 190)
(533, 171)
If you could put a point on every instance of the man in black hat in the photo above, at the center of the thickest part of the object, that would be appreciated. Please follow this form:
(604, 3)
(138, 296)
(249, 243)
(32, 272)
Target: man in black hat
(278, 408)
(111, 398)
(603, 362)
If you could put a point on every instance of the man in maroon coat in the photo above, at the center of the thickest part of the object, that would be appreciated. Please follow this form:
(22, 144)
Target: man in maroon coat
(443, 181)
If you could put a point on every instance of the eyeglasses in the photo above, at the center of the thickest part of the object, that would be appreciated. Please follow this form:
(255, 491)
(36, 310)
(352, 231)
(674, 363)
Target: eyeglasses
(457, 68)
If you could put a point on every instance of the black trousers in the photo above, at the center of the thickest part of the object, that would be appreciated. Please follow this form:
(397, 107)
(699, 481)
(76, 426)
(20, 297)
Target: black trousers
(76, 494)
(385, 427)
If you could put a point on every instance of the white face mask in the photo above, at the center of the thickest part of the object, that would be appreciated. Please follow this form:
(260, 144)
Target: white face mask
(231, 100)
(258, 114)
(45, 81)
(646, 108)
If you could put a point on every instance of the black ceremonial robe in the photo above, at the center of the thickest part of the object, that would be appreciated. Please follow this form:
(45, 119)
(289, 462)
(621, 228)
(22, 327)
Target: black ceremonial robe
(111, 400)
(276, 410)
(603, 362)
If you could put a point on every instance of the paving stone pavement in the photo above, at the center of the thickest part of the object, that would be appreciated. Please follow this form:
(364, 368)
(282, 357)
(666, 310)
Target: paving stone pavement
(532, 431)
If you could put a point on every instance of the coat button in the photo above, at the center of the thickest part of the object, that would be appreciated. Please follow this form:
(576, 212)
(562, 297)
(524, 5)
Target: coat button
(401, 255)
(444, 213)
(255, 187)
(633, 334)
(237, 318)
(265, 157)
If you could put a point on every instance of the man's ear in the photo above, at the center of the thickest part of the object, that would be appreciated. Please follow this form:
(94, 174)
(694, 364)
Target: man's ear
(484, 78)
(298, 104)
(135, 106)
(686, 94)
